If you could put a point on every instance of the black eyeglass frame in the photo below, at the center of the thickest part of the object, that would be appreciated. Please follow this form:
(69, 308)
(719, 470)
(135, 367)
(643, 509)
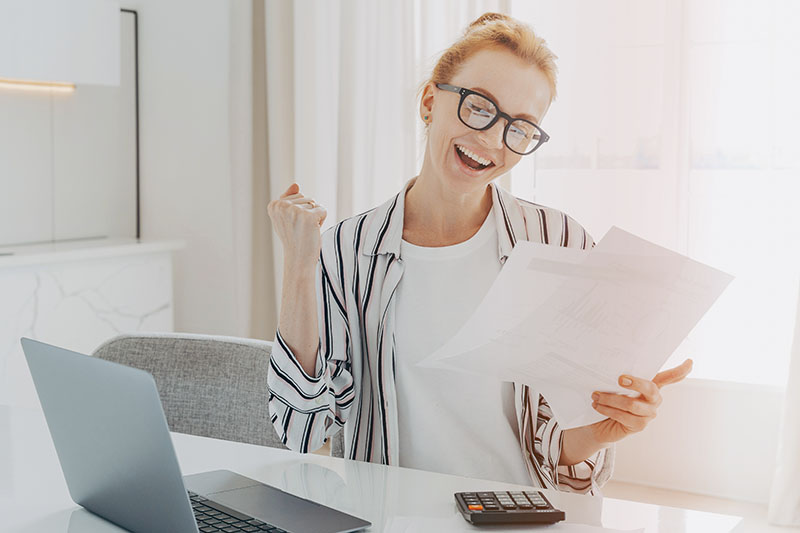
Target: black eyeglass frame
(543, 137)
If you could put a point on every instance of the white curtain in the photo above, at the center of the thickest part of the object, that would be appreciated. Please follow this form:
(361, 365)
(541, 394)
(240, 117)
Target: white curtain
(342, 112)
(240, 127)
(784, 504)
(340, 102)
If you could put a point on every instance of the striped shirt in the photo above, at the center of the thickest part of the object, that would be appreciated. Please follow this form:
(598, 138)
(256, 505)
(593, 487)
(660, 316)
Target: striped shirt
(354, 386)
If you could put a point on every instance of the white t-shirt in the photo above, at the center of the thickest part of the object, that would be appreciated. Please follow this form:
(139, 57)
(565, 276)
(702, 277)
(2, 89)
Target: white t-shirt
(451, 422)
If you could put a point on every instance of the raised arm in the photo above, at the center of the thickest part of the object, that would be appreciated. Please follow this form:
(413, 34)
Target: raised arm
(311, 389)
(297, 220)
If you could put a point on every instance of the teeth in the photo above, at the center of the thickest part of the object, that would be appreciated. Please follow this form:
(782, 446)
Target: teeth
(473, 156)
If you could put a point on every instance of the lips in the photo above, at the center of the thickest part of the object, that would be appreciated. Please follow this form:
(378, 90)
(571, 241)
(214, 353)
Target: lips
(471, 160)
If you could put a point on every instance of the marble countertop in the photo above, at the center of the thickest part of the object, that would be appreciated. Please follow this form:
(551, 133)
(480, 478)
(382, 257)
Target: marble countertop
(56, 252)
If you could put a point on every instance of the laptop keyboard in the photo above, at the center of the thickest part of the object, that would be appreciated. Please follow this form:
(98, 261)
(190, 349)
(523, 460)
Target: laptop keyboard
(213, 517)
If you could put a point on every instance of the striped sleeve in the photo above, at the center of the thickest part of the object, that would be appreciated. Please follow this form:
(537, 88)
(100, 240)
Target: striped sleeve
(586, 477)
(307, 410)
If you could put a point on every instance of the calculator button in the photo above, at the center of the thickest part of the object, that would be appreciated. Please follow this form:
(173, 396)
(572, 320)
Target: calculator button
(475, 507)
(486, 494)
(523, 503)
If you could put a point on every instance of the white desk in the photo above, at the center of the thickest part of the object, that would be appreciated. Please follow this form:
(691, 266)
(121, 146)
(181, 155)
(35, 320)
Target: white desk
(34, 497)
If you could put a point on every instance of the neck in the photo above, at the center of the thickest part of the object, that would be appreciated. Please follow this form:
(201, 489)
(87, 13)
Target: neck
(437, 216)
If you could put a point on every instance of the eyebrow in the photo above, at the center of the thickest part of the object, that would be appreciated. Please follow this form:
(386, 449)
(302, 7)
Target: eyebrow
(490, 95)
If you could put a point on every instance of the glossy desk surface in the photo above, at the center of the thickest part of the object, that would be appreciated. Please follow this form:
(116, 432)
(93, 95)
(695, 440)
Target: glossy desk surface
(34, 497)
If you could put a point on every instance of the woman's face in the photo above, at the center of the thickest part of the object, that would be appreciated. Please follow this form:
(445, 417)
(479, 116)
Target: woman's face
(518, 88)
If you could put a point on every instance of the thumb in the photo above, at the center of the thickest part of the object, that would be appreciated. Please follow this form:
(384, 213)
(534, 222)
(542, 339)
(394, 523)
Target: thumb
(293, 189)
(673, 375)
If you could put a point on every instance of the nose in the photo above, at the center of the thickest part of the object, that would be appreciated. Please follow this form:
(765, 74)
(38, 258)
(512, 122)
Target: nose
(493, 137)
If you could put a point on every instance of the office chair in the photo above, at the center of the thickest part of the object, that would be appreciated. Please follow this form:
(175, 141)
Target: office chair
(211, 386)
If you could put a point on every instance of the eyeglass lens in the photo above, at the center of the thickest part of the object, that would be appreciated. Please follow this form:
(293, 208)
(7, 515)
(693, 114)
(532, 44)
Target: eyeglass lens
(477, 112)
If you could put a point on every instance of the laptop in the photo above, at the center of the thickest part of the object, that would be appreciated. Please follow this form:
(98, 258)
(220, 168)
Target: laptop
(112, 441)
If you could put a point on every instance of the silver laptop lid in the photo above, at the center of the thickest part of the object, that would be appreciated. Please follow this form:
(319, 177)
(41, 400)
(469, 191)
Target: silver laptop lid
(112, 439)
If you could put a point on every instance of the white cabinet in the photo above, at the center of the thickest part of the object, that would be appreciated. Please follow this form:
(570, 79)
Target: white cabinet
(78, 296)
(76, 41)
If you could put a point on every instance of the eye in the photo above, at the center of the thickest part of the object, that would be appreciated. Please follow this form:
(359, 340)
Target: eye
(477, 109)
(518, 132)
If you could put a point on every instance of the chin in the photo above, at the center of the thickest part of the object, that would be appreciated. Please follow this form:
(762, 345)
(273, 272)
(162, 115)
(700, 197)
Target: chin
(460, 184)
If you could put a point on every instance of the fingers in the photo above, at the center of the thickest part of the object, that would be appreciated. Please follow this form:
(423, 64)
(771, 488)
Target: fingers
(636, 406)
(629, 420)
(293, 195)
(645, 387)
(321, 213)
(292, 200)
(301, 200)
(673, 375)
(635, 413)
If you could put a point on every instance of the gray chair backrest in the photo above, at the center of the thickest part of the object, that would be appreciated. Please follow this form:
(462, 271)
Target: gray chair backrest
(211, 386)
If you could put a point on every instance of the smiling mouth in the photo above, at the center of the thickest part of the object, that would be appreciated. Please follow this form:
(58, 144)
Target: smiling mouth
(472, 160)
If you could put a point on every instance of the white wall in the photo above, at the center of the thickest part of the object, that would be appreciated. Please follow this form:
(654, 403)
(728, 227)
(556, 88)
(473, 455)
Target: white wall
(710, 437)
(187, 191)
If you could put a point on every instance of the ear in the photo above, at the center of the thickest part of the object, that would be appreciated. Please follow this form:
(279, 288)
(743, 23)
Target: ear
(426, 102)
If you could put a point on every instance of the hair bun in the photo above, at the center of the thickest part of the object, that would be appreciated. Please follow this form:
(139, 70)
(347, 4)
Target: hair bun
(488, 17)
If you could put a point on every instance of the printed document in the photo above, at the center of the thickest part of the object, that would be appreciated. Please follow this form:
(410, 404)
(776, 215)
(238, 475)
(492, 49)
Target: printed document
(569, 322)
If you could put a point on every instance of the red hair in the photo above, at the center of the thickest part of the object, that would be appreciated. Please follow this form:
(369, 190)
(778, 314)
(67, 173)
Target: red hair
(497, 30)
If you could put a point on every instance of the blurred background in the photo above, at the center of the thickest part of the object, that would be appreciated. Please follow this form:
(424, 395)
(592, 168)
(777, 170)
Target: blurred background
(675, 120)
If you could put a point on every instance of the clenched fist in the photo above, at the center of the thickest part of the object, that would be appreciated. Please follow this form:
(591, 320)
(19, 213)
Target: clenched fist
(297, 220)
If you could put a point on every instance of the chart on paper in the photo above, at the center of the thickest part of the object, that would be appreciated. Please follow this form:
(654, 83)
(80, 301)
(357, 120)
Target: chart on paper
(569, 322)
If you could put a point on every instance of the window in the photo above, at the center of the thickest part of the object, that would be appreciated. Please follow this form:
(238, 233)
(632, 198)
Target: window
(678, 122)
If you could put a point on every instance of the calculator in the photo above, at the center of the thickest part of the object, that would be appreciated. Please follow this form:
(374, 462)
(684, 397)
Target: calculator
(499, 507)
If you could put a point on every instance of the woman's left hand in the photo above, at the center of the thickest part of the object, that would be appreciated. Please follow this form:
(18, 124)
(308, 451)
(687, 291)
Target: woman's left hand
(627, 415)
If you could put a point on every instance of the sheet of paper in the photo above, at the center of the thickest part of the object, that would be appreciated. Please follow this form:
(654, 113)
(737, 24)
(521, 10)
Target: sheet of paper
(456, 524)
(569, 322)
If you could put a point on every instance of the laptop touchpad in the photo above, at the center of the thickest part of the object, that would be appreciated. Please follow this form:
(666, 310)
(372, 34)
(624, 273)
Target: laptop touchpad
(286, 510)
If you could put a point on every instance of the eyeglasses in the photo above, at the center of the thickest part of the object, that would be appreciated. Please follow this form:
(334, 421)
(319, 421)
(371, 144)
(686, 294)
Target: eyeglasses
(480, 113)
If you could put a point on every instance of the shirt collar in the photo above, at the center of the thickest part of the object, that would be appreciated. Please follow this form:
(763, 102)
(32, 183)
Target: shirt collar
(386, 232)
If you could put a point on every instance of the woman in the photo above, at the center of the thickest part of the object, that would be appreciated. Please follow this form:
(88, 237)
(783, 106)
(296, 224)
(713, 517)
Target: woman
(378, 292)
